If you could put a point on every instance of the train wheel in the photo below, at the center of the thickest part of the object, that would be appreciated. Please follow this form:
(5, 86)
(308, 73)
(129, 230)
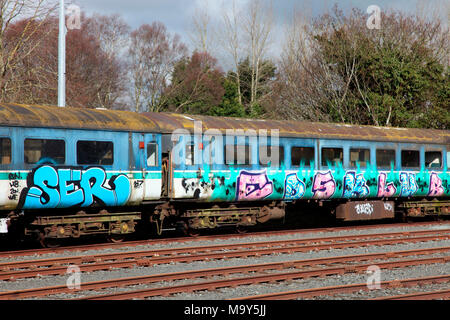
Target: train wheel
(188, 231)
(241, 229)
(193, 232)
(116, 238)
(48, 242)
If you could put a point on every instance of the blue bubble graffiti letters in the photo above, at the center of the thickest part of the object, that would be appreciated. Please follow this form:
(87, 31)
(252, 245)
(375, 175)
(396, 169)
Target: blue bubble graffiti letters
(408, 184)
(355, 185)
(49, 187)
(294, 188)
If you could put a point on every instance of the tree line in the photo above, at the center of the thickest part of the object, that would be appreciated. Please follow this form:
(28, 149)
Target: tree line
(330, 68)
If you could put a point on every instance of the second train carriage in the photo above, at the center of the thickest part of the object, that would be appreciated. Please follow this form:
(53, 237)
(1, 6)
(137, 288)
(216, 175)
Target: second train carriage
(66, 172)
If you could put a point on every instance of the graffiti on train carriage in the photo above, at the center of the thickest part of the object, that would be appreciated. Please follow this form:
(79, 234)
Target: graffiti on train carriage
(48, 187)
(239, 185)
(324, 185)
(436, 189)
(294, 187)
(408, 184)
(253, 186)
(355, 185)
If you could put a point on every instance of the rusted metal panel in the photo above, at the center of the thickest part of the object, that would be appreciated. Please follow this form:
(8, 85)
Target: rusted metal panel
(77, 118)
(74, 118)
(365, 210)
(170, 122)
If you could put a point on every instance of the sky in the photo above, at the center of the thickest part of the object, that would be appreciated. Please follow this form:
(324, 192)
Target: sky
(177, 14)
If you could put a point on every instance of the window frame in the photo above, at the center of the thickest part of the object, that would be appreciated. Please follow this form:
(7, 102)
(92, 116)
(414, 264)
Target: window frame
(156, 154)
(401, 159)
(281, 158)
(425, 159)
(386, 149)
(48, 139)
(332, 163)
(94, 164)
(248, 148)
(448, 159)
(350, 149)
(306, 165)
(10, 152)
(192, 145)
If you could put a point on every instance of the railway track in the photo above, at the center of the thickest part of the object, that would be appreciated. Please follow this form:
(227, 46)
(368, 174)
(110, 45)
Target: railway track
(440, 294)
(333, 290)
(336, 265)
(235, 276)
(100, 246)
(58, 266)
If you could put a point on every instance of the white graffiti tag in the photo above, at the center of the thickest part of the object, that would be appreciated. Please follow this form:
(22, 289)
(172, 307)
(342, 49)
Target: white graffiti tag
(365, 208)
(388, 207)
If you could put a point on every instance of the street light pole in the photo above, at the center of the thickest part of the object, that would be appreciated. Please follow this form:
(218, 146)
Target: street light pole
(62, 57)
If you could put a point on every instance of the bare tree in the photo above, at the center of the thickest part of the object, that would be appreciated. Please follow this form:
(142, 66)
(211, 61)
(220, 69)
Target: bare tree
(112, 33)
(13, 50)
(201, 33)
(330, 67)
(153, 54)
(232, 41)
(257, 27)
(246, 33)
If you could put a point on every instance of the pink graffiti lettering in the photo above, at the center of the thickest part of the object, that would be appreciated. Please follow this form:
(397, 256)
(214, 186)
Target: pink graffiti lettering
(436, 189)
(383, 189)
(253, 186)
(323, 186)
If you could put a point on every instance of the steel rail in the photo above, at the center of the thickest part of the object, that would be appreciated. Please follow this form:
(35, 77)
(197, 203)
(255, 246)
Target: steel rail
(20, 294)
(272, 278)
(440, 294)
(130, 263)
(5, 266)
(82, 248)
(330, 291)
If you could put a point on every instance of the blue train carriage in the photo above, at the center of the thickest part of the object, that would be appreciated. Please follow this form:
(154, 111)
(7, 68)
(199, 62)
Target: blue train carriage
(61, 167)
(359, 172)
(67, 172)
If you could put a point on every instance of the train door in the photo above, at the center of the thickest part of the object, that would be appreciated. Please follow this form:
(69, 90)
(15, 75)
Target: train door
(166, 166)
(9, 197)
(152, 166)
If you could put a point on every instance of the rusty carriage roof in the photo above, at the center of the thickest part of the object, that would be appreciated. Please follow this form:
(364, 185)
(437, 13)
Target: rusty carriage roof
(114, 120)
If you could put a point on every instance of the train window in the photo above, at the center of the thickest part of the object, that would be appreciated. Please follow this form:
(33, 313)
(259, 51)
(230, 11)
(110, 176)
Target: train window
(332, 156)
(433, 159)
(95, 152)
(152, 154)
(43, 151)
(360, 156)
(268, 154)
(190, 155)
(385, 158)
(5, 151)
(410, 159)
(237, 154)
(302, 156)
(448, 159)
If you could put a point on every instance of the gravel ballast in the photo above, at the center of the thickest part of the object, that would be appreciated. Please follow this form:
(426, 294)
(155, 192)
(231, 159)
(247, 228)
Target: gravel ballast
(403, 273)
